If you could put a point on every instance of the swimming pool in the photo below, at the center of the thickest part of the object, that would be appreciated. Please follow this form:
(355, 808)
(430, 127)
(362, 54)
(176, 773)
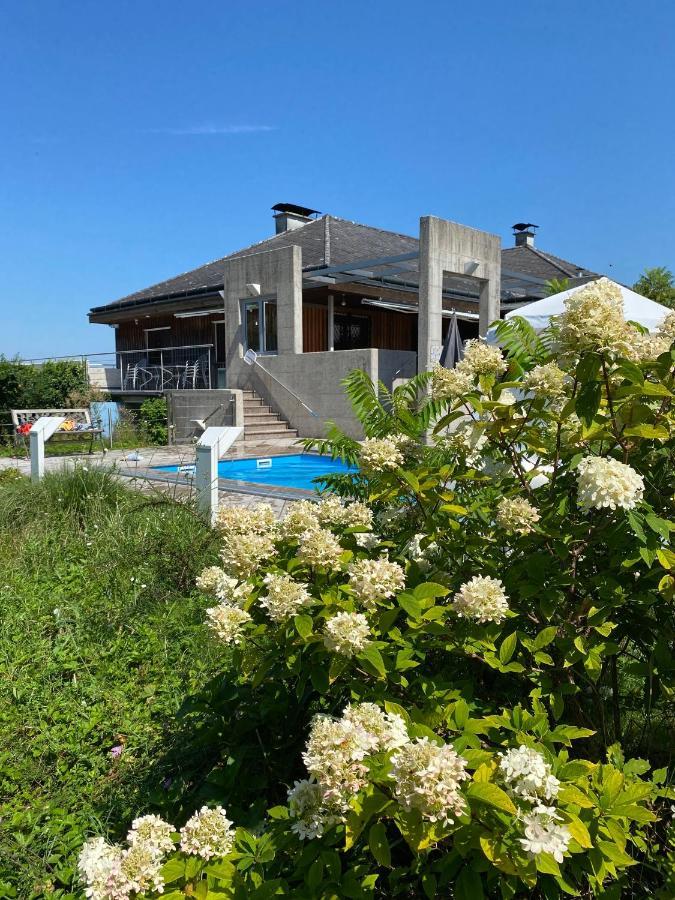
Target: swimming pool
(295, 470)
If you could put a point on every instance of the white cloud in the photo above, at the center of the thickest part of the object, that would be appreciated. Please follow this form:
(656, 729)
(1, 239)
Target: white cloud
(214, 129)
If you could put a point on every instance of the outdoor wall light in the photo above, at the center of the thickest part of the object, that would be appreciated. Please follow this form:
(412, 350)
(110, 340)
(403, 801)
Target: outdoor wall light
(254, 290)
(471, 266)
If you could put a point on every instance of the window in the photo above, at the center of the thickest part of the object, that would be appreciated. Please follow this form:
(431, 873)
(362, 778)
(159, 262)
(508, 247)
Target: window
(260, 325)
(351, 332)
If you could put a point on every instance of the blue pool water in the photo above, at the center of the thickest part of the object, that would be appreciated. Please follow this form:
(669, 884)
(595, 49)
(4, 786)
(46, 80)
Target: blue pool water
(296, 470)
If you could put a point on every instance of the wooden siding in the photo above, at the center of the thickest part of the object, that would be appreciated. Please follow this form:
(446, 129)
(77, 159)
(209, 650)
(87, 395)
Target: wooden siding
(314, 329)
(182, 333)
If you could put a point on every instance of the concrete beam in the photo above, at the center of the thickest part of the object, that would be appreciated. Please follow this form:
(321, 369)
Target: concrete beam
(447, 247)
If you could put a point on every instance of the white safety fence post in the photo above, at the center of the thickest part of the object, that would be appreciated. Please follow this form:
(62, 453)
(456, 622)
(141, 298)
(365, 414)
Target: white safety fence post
(40, 432)
(210, 447)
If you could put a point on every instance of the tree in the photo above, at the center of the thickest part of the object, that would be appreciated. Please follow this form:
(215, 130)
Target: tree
(556, 286)
(657, 283)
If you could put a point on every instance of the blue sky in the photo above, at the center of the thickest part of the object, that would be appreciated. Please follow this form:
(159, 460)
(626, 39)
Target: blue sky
(140, 139)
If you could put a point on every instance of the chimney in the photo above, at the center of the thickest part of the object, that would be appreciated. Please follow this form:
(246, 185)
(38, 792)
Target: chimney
(524, 233)
(288, 216)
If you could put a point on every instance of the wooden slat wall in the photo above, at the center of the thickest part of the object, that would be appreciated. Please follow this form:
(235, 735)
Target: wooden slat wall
(314, 329)
(184, 332)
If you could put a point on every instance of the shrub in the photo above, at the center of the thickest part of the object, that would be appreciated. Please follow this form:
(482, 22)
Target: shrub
(434, 686)
(152, 420)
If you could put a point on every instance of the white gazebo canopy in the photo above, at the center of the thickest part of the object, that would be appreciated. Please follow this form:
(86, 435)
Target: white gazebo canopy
(636, 308)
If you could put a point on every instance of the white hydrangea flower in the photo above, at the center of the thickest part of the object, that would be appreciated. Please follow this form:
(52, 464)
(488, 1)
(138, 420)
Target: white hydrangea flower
(111, 873)
(303, 516)
(594, 320)
(141, 869)
(451, 384)
(227, 622)
(517, 515)
(482, 359)
(605, 482)
(386, 731)
(100, 867)
(368, 540)
(347, 633)
(419, 554)
(285, 597)
(547, 380)
(259, 519)
(353, 514)
(380, 454)
(527, 774)
(507, 398)
(216, 582)
(375, 579)
(543, 834)
(334, 756)
(427, 778)
(208, 833)
(645, 347)
(467, 439)
(482, 598)
(307, 804)
(319, 547)
(152, 831)
(243, 554)
(667, 328)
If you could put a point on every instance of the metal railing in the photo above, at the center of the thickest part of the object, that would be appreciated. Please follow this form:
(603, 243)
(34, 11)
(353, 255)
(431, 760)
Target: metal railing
(144, 371)
(165, 369)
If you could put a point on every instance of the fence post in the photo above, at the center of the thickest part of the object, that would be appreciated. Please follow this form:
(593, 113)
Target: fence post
(210, 447)
(40, 432)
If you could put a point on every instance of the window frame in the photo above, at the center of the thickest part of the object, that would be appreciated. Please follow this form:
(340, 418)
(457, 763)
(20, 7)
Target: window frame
(260, 303)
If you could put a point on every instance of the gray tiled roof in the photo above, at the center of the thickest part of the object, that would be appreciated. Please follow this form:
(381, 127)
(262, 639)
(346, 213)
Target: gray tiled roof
(331, 241)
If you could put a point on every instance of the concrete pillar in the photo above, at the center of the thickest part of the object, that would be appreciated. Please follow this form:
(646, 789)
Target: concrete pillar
(330, 324)
(447, 247)
(289, 302)
(430, 315)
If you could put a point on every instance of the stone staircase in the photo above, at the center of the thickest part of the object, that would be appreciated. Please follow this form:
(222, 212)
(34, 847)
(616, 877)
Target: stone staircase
(262, 425)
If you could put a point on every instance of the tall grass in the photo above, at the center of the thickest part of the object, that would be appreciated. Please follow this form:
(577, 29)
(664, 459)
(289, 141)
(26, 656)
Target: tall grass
(101, 641)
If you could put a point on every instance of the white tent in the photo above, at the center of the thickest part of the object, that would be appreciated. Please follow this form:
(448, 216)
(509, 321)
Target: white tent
(636, 309)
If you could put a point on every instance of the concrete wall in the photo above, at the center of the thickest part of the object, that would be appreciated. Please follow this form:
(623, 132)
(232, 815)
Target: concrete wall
(449, 247)
(222, 407)
(279, 275)
(316, 379)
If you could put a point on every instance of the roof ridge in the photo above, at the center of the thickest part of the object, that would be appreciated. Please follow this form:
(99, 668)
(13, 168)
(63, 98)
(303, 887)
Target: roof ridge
(555, 261)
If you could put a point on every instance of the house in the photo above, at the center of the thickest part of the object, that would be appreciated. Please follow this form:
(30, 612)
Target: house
(320, 297)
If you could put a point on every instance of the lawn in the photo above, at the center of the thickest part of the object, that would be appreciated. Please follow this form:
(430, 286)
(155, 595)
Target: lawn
(102, 640)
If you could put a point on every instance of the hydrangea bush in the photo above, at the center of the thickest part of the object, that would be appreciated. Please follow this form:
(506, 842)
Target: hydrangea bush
(428, 699)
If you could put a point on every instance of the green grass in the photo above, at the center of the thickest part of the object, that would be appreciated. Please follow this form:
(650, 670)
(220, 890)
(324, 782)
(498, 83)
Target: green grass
(101, 641)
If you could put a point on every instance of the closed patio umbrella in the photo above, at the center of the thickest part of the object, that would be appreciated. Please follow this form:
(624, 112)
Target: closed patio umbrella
(453, 347)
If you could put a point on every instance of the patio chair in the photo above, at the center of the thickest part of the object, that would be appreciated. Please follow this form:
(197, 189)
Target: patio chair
(137, 376)
(194, 373)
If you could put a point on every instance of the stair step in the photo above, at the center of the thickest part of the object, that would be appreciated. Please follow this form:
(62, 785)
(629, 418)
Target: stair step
(270, 418)
(265, 430)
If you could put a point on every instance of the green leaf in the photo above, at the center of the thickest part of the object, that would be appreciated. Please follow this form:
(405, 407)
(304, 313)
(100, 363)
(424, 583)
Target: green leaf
(460, 713)
(410, 605)
(314, 875)
(221, 869)
(546, 864)
(579, 832)
(304, 626)
(469, 885)
(650, 432)
(588, 402)
(508, 647)
(372, 657)
(588, 367)
(491, 795)
(173, 869)
(545, 636)
(379, 844)
(430, 589)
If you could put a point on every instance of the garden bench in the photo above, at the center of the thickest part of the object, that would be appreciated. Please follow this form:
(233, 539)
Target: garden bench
(82, 430)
